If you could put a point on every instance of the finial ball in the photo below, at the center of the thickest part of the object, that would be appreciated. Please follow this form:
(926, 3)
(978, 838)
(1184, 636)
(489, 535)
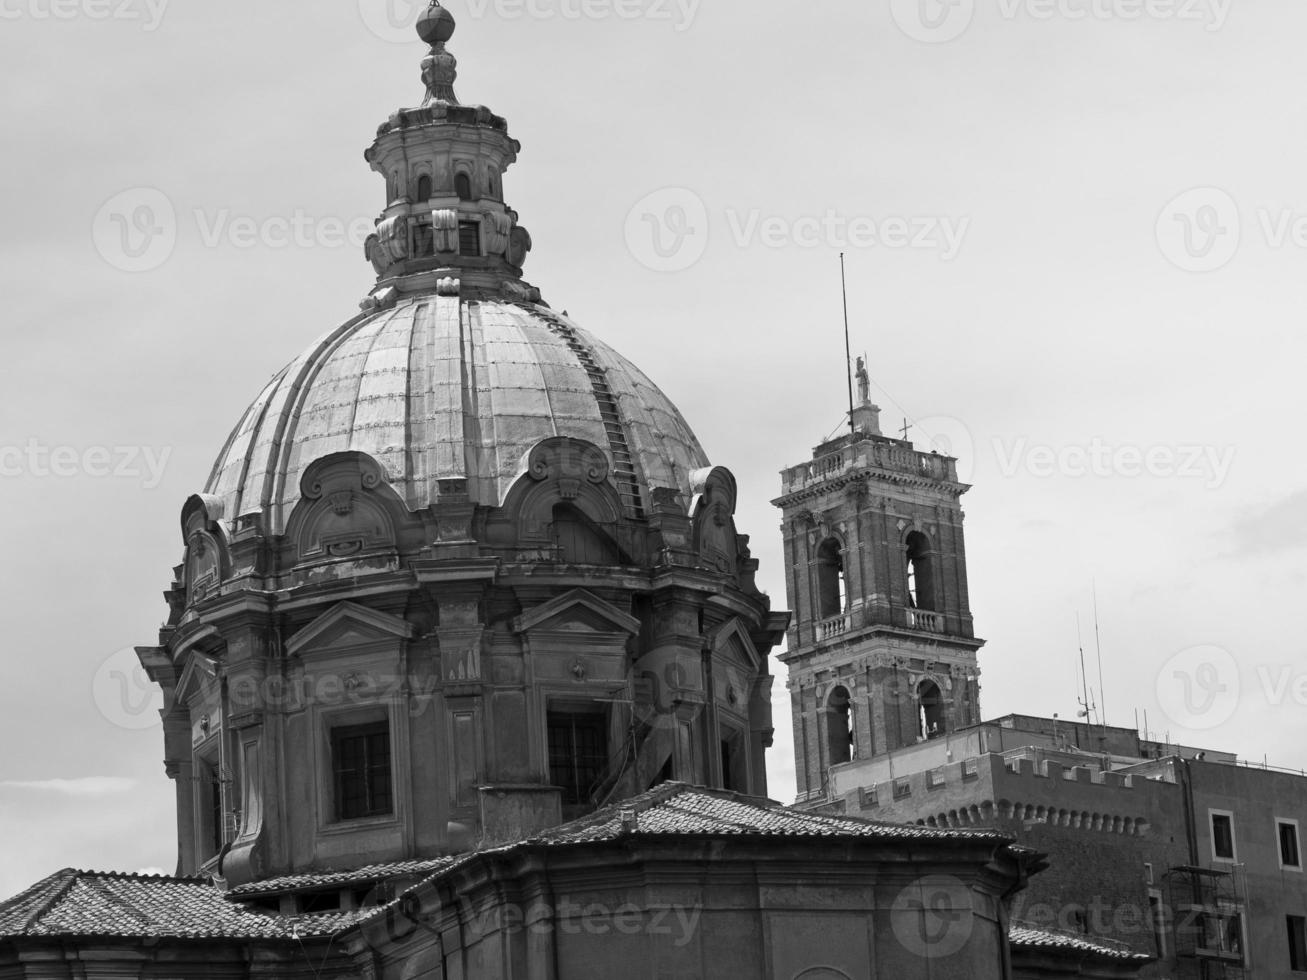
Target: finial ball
(436, 25)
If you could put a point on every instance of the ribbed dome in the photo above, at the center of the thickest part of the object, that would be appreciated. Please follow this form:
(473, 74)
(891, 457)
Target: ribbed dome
(443, 388)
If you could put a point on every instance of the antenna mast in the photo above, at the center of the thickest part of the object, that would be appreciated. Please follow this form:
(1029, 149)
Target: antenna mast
(1086, 704)
(1098, 642)
(848, 349)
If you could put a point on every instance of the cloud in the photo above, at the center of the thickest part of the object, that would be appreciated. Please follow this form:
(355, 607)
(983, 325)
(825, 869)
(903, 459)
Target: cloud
(1280, 527)
(89, 786)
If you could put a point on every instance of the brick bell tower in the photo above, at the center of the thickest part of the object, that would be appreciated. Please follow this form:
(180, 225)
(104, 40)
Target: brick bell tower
(881, 650)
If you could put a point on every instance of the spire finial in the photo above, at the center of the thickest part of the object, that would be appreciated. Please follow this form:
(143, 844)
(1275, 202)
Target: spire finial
(439, 68)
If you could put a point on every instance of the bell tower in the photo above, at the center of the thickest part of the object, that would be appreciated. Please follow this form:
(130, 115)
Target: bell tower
(881, 650)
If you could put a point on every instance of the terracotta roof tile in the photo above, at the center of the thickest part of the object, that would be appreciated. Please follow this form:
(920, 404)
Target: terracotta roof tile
(1021, 937)
(92, 903)
(675, 808)
(315, 880)
(83, 903)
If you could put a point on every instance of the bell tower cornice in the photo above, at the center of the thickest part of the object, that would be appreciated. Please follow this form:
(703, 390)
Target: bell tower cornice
(444, 163)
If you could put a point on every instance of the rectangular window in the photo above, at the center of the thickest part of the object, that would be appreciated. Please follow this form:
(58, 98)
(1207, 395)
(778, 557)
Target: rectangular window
(1290, 849)
(1223, 935)
(469, 238)
(361, 761)
(1222, 836)
(1297, 943)
(578, 753)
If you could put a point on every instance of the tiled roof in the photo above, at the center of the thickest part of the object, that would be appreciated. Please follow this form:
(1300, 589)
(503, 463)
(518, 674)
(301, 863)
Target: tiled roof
(84, 903)
(1021, 937)
(675, 808)
(316, 880)
(92, 903)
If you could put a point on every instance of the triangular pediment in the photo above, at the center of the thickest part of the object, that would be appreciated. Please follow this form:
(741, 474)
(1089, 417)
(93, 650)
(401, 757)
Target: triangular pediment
(577, 611)
(732, 639)
(346, 625)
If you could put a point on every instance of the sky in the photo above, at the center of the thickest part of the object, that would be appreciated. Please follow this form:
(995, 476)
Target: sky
(1075, 235)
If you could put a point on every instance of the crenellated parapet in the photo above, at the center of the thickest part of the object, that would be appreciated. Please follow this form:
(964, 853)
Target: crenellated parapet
(1015, 792)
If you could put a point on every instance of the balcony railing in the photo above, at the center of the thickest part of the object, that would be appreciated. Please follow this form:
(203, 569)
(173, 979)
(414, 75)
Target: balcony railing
(929, 622)
(829, 629)
(874, 453)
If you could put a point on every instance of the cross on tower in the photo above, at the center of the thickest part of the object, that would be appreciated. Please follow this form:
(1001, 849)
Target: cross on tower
(905, 430)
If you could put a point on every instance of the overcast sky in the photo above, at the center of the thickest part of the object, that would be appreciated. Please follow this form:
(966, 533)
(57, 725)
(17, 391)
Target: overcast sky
(1076, 237)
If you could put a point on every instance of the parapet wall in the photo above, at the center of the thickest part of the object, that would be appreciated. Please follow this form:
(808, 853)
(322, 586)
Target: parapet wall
(991, 790)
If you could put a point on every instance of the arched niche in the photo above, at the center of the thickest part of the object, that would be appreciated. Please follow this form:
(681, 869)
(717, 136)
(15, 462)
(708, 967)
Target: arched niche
(346, 510)
(563, 503)
(207, 559)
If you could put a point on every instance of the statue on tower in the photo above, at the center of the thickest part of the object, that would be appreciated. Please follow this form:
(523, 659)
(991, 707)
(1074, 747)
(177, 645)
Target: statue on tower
(864, 382)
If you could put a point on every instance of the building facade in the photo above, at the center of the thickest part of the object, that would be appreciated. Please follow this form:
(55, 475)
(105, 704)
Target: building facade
(1176, 853)
(466, 672)
(881, 650)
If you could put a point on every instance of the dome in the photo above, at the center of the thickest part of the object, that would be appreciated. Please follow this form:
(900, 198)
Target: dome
(448, 388)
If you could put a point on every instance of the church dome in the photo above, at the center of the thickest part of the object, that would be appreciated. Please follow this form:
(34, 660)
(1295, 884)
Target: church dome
(444, 388)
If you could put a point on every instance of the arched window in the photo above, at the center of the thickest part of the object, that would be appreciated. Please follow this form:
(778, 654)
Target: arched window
(839, 726)
(424, 188)
(921, 578)
(463, 187)
(832, 588)
(930, 704)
